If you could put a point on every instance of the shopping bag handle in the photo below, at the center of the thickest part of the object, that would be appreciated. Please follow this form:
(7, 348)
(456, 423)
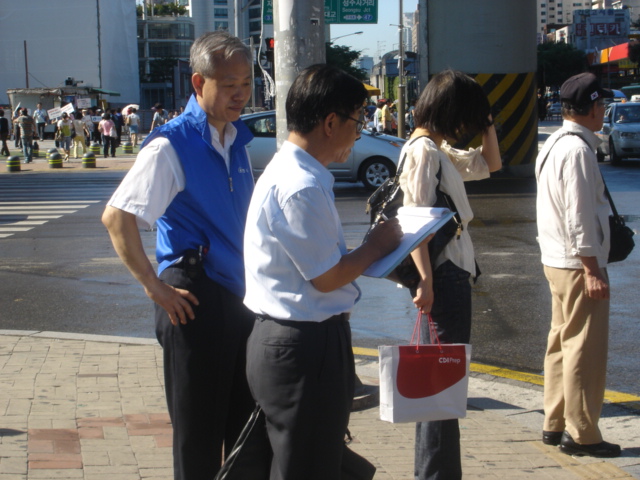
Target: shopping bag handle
(433, 333)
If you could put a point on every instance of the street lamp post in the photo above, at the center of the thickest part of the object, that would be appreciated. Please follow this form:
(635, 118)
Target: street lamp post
(347, 35)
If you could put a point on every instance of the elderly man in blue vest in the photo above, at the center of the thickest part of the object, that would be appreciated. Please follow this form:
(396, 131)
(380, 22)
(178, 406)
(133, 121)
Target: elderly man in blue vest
(193, 179)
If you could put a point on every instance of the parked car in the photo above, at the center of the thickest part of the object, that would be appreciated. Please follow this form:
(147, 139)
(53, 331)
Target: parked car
(373, 159)
(620, 132)
(554, 110)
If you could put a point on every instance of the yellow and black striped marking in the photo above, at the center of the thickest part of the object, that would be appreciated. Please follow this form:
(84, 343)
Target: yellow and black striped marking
(513, 102)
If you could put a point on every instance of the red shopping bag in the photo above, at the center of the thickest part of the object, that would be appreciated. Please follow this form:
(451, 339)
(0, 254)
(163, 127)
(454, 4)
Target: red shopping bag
(424, 382)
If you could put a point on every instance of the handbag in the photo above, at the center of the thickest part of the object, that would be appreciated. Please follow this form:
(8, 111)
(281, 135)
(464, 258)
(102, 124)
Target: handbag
(621, 238)
(420, 383)
(453, 228)
(386, 201)
(250, 458)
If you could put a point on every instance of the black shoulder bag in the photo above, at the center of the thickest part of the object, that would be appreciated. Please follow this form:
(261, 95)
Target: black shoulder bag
(621, 237)
(386, 201)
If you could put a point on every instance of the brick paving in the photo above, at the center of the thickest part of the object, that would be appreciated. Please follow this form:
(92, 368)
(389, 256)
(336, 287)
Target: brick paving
(76, 408)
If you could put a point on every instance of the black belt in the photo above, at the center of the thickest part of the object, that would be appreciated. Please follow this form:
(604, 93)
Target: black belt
(342, 317)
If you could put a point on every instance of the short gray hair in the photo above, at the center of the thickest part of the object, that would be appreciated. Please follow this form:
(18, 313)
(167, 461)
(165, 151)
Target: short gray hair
(570, 110)
(210, 45)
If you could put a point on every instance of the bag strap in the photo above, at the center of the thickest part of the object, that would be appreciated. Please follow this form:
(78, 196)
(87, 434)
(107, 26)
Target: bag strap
(401, 162)
(606, 190)
(433, 333)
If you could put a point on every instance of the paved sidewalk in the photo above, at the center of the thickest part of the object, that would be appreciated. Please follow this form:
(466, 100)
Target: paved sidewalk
(93, 407)
(122, 161)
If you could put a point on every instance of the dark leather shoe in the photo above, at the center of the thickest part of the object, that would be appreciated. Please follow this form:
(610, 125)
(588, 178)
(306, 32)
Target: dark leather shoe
(600, 450)
(551, 438)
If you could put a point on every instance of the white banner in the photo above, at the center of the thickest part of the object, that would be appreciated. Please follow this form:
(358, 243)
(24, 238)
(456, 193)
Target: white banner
(83, 102)
(68, 108)
(54, 113)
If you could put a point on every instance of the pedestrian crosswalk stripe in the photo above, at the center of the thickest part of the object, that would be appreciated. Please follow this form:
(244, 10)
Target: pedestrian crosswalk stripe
(45, 202)
(15, 229)
(38, 207)
(32, 217)
(17, 217)
(26, 212)
(24, 222)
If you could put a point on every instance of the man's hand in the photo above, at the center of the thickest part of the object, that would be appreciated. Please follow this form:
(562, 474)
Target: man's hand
(596, 285)
(176, 301)
(382, 240)
(385, 237)
(126, 240)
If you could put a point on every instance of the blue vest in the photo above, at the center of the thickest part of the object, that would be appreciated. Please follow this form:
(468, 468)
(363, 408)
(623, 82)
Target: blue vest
(212, 209)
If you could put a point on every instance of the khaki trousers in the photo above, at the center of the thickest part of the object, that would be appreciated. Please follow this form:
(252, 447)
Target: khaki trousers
(575, 363)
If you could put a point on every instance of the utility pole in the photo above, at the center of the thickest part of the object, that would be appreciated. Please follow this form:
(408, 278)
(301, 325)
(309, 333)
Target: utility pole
(423, 45)
(253, 77)
(299, 43)
(237, 16)
(401, 85)
(26, 64)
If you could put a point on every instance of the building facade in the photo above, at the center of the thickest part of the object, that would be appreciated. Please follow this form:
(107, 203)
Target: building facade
(164, 42)
(43, 45)
(555, 14)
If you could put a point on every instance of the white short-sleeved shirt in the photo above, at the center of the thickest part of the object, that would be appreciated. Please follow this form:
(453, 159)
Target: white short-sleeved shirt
(418, 182)
(157, 177)
(293, 235)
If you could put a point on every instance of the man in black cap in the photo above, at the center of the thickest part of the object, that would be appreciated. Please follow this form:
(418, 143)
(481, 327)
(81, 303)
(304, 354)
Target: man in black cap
(573, 232)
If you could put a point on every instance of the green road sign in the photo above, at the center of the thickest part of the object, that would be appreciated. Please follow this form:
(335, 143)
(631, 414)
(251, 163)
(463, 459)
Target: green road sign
(267, 12)
(337, 11)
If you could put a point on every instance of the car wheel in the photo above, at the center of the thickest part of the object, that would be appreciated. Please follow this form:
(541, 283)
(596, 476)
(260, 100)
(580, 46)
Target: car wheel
(374, 171)
(599, 155)
(613, 156)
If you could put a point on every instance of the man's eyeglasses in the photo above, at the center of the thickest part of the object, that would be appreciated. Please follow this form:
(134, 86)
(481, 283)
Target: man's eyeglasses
(359, 122)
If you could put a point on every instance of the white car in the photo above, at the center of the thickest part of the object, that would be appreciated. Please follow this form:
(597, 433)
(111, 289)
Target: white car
(554, 110)
(373, 159)
(620, 132)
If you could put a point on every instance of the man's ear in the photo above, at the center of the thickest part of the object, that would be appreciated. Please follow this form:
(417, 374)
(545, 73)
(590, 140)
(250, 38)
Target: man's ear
(197, 80)
(330, 123)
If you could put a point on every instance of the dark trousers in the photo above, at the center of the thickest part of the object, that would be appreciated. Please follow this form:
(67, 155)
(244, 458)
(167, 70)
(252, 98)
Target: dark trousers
(437, 449)
(205, 381)
(40, 130)
(302, 374)
(109, 143)
(5, 147)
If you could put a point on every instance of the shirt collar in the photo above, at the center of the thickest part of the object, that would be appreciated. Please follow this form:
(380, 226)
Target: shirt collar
(309, 163)
(230, 133)
(592, 139)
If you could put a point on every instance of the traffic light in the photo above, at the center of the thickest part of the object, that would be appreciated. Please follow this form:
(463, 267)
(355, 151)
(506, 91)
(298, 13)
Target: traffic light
(271, 43)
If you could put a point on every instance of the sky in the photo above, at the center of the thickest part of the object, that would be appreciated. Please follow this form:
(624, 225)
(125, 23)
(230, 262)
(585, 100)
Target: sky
(376, 39)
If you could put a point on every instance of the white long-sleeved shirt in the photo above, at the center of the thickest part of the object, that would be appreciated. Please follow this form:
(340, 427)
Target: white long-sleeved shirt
(419, 180)
(572, 208)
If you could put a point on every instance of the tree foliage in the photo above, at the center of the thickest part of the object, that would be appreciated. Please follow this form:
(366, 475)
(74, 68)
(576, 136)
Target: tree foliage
(163, 10)
(343, 57)
(557, 62)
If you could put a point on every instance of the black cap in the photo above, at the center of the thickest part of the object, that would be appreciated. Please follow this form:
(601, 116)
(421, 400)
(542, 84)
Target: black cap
(583, 89)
